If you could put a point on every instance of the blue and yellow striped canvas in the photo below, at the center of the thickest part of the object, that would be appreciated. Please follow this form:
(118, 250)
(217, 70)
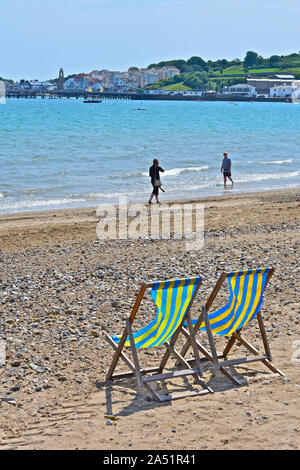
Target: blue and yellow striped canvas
(172, 299)
(245, 299)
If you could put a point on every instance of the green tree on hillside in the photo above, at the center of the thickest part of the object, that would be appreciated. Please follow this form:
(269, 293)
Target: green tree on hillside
(195, 60)
(251, 59)
(195, 80)
(274, 61)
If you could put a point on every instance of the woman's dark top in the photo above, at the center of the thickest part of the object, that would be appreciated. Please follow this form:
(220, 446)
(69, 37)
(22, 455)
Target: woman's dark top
(154, 172)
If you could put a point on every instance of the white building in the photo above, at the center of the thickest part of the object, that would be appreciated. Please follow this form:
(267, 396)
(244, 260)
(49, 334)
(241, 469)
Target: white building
(169, 71)
(148, 77)
(162, 73)
(241, 89)
(35, 85)
(287, 90)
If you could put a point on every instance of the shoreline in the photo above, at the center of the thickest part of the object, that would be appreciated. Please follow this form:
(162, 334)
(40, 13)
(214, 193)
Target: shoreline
(47, 228)
(223, 193)
(29, 214)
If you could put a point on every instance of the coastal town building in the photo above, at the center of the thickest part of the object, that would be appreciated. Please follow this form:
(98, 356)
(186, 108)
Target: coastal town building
(241, 89)
(77, 83)
(264, 85)
(22, 85)
(32, 85)
(131, 80)
(289, 90)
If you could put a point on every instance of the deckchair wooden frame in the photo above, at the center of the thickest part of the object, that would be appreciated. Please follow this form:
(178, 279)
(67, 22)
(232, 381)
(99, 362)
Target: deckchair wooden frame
(220, 361)
(142, 375)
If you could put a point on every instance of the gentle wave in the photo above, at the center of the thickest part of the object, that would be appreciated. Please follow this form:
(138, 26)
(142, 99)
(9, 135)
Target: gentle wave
(177, 171)
(125, 175)
(171, 172)
(95, 196)
(39, 203)
(269, 176)
(276, 162)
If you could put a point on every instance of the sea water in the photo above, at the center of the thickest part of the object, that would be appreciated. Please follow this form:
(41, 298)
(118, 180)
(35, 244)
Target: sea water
(65, 153)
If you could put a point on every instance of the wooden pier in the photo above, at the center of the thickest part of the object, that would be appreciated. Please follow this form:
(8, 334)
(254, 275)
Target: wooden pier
(139, 96)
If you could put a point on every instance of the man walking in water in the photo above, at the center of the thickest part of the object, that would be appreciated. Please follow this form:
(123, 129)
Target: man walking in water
(226, 169)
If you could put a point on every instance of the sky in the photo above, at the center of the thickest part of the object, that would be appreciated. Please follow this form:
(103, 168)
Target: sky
(37, 38)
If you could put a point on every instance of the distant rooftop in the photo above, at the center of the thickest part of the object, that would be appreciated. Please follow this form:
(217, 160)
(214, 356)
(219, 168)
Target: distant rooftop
(266, 79)
(285, 76)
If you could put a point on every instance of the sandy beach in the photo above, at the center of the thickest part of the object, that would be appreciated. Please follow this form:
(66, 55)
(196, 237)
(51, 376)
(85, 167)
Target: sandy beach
(61, 287)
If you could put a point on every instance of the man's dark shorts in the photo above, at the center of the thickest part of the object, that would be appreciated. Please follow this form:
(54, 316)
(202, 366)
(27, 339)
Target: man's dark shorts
(227, 173)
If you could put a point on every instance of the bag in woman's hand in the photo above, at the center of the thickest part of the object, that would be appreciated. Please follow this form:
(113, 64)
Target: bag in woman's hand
(157, 183)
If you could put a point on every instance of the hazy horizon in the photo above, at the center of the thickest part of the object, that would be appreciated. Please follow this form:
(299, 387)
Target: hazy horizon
(84, 35)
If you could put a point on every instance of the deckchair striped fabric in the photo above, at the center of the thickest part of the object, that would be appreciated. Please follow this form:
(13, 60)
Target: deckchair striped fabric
(245, 299)
(172, 299)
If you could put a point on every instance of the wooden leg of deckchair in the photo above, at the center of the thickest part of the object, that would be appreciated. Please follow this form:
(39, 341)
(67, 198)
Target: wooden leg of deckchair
(254, 351)
(120, 354)
(264, 336)
(210, 339)
(177, 355)
(194, 345)
(124, 336)
(209, 357)
(171, 350)
(168, 351)
(196, 353)
(134, 355)
(184, 363)
(187, 344)
(230, 344)
(155, 395)
(118, 348)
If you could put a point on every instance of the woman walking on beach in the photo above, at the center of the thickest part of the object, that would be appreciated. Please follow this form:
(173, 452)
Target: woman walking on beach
(155, 179)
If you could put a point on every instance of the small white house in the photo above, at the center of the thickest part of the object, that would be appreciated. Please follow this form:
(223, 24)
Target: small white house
(241, 89)
(35, 85)
(169, 71)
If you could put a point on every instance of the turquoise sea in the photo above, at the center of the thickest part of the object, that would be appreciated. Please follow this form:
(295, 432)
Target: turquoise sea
(64, 153)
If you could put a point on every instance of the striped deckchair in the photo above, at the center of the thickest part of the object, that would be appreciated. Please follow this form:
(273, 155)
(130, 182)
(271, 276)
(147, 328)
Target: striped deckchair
(173, 299)
(245, 300)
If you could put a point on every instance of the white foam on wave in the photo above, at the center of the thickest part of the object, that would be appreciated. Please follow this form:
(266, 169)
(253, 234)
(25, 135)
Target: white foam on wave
(276, 162)
(95, 196)
(269, 176)
(40, 203)
(178, 171)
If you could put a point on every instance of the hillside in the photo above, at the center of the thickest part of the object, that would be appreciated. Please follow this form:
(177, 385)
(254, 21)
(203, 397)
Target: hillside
(198, 73)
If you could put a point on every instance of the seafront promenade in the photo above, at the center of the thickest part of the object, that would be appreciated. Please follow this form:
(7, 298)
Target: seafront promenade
(142, 96)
